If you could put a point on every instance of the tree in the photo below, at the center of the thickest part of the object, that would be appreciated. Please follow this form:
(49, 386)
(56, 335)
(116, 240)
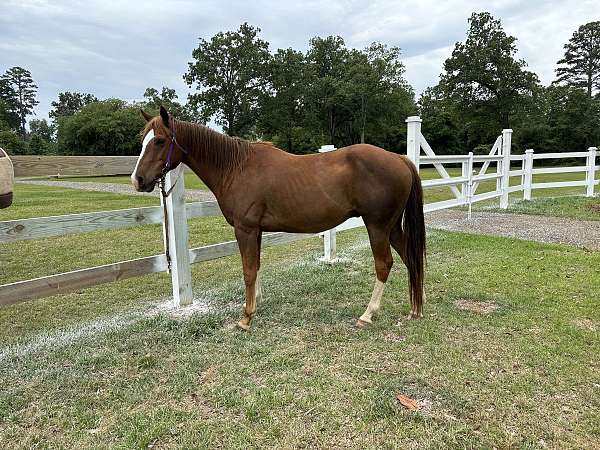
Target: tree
(167, 98)
(18, 90)
(69, 103)
(485, 81)
(327, 59)
(581, 64)
(107, 127)
(283, 110)
(230, 74)
(378, 97)
(41, 137)
(41, 128)
(441, 123)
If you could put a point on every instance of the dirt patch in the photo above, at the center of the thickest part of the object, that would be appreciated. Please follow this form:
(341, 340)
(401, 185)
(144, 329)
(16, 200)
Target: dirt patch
(585, 324)
(594, 207)
(475, 306)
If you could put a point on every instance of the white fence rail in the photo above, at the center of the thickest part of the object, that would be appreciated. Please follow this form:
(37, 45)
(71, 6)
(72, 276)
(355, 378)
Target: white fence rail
(463, 188)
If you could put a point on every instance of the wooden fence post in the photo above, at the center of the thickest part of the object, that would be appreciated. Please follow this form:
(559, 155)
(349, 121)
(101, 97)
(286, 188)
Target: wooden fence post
(181, 276)
(413, 139)
(506, 143)
(590, 175)
(527, 174)
(329, 236)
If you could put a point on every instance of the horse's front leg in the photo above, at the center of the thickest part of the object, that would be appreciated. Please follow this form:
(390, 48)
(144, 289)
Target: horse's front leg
(249, 244)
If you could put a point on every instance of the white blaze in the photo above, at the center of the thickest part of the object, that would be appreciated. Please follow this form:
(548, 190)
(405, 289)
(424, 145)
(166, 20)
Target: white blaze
(149, 136)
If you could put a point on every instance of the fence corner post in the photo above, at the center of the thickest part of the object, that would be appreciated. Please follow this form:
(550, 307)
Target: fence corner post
(177, 235)
(506, 143)
(329, 236)
(590, 176)
(413, 139)
(528, 174)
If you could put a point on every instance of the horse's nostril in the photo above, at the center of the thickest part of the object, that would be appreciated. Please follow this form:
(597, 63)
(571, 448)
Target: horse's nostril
(140, 180)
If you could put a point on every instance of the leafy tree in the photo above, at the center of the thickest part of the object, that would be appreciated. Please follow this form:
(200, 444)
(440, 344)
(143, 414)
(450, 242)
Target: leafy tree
(230, 74)
(42, 128)
(327, 58)
(9, 119)
(13, 143)
(378, 97)
(41, 137)
(107, 127)
(441, 124)
(581, 64)
(283, 110)
(167, 98)
(69, 103)
(17, 91)
(572, 119)
(485, 81)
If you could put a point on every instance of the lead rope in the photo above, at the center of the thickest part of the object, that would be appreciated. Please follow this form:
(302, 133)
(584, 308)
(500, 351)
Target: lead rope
(166, 220)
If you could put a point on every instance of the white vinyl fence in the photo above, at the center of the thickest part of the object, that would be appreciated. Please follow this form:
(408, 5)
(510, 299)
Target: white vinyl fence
(464, 188)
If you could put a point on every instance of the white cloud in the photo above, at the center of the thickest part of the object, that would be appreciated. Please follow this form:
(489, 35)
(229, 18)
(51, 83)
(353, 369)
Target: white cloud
(117, 49)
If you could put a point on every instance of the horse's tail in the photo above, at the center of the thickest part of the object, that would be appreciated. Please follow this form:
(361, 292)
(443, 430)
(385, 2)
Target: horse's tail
(413, 226)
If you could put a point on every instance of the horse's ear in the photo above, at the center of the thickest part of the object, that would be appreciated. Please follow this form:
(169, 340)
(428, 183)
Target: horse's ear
(147, 116)
(164, 115)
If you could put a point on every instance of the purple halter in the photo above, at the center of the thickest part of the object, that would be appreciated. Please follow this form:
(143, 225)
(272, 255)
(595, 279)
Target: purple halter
(171, 147)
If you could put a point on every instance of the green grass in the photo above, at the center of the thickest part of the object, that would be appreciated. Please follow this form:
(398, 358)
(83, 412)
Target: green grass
(41, 201)
(582, 208)
(191, 180)
(105, 368)
(109, 367)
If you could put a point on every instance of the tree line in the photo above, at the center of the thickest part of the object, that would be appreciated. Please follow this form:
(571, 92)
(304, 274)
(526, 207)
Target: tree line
(332, 94)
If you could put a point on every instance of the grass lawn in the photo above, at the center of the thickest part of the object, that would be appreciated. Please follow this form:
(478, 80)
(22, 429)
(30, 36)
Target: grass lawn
(191, 180)
(582, 208)
(493, 364)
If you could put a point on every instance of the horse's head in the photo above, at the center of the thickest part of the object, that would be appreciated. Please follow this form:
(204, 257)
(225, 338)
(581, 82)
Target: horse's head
(6, 180)
(160, 151)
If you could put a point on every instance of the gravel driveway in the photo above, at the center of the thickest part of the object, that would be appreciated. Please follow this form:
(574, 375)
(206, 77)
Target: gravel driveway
(559, 230)
(583, 234)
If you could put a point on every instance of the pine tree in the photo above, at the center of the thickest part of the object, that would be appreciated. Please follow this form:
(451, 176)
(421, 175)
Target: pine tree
(581, 64)
(18, 89)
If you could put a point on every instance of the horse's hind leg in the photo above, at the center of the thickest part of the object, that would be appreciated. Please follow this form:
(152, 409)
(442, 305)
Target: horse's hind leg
(380, 245)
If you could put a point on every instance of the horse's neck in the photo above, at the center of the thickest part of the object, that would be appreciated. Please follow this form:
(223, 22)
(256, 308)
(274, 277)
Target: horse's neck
(214, 177)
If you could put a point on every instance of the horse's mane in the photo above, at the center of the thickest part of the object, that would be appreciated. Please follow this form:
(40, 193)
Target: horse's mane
(203, 144)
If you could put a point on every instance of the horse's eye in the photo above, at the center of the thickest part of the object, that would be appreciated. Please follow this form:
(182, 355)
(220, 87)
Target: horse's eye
(159, 141)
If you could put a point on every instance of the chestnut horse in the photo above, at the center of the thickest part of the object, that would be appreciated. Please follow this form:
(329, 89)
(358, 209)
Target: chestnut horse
(262, 188)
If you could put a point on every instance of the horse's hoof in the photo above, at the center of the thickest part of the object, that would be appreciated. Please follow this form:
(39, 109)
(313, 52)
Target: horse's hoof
(362, 324)
(414, 316)
(243, 326)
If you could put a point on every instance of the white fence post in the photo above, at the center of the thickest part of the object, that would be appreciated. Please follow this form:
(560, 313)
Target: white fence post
(506, 142)
(413, 139)
(467, 171)
(527, 174)
(590, 176)
(329, 236)
(181, 276)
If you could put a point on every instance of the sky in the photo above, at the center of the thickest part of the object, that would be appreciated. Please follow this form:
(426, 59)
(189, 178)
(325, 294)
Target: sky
(119, 48)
